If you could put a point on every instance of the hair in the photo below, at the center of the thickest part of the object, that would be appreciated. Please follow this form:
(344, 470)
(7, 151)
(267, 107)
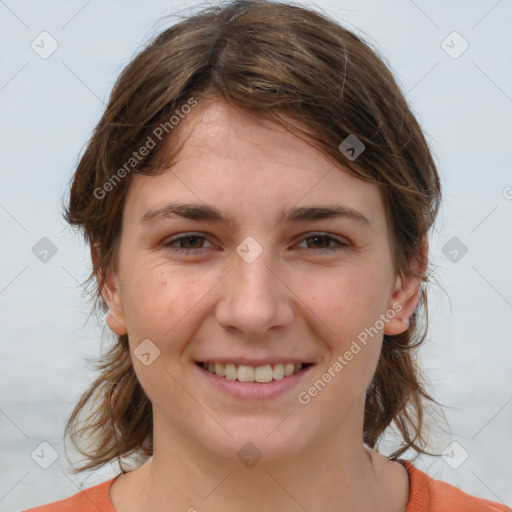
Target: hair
(322, 82)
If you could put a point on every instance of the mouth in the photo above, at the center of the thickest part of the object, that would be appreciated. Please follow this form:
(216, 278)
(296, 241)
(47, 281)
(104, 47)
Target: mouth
(263, 374)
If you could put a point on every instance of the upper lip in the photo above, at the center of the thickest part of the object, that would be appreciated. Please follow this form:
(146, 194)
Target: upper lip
(254, 362)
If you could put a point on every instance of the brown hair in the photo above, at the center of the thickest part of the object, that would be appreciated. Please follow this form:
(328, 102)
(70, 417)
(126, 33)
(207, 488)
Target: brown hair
(285, 62)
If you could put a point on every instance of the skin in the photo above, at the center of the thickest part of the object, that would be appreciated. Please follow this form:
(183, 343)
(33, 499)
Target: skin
(296, 298)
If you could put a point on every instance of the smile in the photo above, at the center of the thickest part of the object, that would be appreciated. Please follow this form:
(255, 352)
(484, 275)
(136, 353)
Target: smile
(246, 373)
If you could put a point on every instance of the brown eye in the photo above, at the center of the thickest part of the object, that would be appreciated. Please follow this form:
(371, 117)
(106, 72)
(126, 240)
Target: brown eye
(321, 242)
(190, 240)
(186, 243)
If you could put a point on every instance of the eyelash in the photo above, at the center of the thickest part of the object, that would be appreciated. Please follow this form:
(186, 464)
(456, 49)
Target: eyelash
(340, 242)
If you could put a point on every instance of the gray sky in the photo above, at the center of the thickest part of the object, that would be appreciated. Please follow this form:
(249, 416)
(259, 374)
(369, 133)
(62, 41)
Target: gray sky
(48, 108)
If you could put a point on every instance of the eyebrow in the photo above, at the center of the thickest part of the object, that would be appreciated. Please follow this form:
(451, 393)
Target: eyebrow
(203, 212)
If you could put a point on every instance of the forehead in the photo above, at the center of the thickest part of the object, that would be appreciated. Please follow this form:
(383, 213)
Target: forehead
(246, 165)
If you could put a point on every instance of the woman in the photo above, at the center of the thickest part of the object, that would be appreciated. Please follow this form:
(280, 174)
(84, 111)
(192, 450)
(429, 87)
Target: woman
(257, 197)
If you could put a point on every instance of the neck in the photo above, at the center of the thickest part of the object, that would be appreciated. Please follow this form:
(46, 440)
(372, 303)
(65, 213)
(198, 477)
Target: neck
(333, 474)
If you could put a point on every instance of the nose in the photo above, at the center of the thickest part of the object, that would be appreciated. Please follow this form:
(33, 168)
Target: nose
(254, 299)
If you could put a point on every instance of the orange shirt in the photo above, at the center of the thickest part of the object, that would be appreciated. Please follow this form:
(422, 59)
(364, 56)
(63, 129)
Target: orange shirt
(425, 495)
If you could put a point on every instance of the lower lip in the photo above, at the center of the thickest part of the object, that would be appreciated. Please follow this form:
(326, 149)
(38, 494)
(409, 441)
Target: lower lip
(254, 390)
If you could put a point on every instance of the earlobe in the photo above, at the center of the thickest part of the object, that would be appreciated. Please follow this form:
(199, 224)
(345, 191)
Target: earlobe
(114, 323)
(111, 295)
(406, 295)
(403, 303)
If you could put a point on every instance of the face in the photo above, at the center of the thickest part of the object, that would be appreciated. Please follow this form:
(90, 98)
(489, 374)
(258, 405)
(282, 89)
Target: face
(273, 283)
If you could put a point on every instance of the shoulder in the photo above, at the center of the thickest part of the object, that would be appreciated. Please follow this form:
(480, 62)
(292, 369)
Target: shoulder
(429, 495)
(88, 500)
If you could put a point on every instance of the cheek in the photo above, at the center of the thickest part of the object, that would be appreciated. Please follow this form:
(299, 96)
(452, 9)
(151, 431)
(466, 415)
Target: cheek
(160, 298)
(346, 299)
(348, 302)
(163, 305)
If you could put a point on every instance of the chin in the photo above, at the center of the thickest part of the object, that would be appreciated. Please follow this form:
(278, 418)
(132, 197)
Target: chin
(258, 441)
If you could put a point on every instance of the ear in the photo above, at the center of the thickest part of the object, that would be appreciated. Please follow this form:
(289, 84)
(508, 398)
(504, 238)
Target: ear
(406, 294)
(111, 295)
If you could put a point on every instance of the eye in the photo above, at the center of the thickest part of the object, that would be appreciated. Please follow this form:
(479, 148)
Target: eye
(321, 239)
(193, 242)
(185, 241)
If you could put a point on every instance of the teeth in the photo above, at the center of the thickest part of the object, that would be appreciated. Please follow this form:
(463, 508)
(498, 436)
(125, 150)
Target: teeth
(278, 371)
(245, 373)
(219, 369)
(230, 371)
(288, 369)
(263, 373)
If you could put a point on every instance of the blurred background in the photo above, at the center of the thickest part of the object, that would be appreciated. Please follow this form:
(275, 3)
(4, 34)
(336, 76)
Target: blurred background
(59, 62)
